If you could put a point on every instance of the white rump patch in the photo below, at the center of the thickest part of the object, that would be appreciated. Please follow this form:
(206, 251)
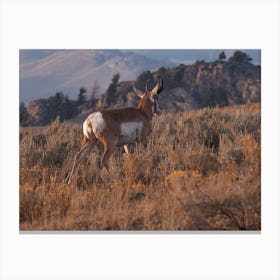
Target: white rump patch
(132, 130)
(97, 124)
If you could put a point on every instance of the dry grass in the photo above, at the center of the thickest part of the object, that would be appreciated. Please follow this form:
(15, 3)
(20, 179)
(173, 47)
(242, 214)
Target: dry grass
(199, 171)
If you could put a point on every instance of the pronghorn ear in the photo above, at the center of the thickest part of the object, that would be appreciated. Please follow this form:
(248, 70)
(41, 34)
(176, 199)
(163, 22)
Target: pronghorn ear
(138, 92)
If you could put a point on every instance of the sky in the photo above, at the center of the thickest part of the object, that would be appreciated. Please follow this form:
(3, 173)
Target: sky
(189, 56)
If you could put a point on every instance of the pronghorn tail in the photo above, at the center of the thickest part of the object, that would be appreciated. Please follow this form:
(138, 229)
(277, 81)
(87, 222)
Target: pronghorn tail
(88, 132)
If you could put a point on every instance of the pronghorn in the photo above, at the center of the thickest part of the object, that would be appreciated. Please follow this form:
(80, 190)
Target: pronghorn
(119, 127)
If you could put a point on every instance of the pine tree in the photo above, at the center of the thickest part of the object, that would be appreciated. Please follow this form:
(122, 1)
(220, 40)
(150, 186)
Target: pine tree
(111, 92)
(23, 114)
(240, 57)
(222, 56)
(142, 79)
(93, 97)
(82, 95)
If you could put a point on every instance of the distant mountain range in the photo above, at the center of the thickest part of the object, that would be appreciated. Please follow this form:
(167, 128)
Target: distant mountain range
(45, 72)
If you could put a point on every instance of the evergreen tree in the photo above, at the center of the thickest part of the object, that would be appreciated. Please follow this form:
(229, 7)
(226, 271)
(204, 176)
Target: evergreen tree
(59, 96)
(222, 56)
(67, 110)
(93, 97)
(111, 93)
(239, 57)
(23, 114)
(22, 107)
(142, 79)
(166, 77)
(82, 95)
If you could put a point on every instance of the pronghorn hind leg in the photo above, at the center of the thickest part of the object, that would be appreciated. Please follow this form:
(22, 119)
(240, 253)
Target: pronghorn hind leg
(108, 150)
(86, 145)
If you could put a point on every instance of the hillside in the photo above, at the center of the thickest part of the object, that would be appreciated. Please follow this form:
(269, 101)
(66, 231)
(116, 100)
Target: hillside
(201, 84)
(198, 171)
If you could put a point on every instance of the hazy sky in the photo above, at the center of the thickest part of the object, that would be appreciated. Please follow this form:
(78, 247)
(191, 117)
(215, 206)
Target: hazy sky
(190, 56)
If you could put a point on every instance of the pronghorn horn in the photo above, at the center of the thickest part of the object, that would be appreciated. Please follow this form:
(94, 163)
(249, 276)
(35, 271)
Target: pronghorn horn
(138, 92)
(147, 90)
(158, 88)
(160, 85)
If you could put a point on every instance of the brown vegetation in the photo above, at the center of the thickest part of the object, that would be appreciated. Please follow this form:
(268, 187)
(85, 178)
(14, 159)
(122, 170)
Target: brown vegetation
(198, 171)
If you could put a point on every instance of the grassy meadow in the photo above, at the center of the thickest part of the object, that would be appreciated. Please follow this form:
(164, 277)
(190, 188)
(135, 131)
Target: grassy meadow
(199, 170)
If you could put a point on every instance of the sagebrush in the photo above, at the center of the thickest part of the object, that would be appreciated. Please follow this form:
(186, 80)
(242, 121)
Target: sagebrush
(197, 171)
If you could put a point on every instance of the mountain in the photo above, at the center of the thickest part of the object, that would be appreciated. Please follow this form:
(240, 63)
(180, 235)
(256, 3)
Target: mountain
(45, 72)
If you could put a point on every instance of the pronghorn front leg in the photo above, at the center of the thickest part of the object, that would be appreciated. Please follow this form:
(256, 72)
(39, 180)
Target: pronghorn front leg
(126, 150)
(79, 156)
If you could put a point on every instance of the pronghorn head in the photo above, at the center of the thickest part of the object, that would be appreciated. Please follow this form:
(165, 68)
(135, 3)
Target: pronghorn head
(149, 98)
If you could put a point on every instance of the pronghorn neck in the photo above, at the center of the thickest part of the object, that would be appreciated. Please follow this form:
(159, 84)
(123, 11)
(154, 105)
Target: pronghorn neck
(146, 105)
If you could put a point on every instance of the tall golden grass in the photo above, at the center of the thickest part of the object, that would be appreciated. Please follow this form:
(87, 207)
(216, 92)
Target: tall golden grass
(198, 171)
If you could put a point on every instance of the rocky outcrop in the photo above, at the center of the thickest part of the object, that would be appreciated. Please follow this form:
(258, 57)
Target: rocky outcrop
(240, 82)
(189, 87)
